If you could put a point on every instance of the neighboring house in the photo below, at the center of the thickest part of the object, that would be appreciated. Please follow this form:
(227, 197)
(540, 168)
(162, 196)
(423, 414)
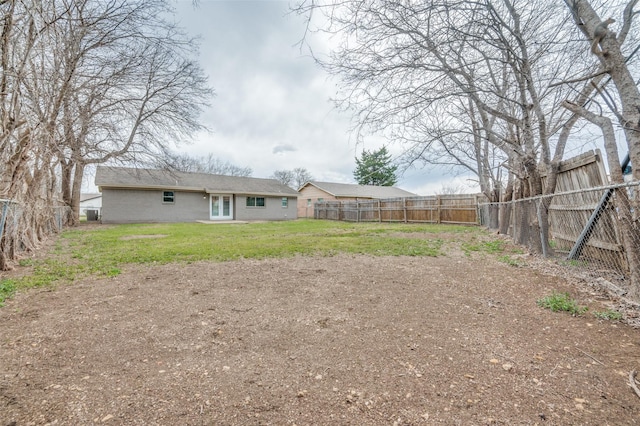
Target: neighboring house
(90, 202)
(142, 195)
(311, 192)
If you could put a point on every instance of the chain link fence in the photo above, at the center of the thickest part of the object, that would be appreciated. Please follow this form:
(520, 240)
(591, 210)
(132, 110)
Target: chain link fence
(15, 220)
(593, 230)
(10, 214)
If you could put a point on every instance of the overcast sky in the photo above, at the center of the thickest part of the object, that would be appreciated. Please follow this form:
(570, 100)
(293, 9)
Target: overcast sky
(272, 109)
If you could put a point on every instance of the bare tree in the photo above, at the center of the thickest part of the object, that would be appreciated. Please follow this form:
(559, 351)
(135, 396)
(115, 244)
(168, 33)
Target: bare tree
(300, 177)
(85, 82)
(202, 164)
(293, 178)
(27, 178)
(407, 69)
(286, 177)
(609, 51)
(134, 90)
(612, 54)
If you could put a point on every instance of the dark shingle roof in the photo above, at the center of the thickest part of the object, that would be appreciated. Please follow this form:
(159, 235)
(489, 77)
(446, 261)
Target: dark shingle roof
(360, 191)
(123, 177)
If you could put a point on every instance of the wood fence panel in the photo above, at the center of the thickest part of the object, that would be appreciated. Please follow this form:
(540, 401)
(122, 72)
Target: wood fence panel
(569, 213)
(392, 210)
(421, 209)
(460, 209)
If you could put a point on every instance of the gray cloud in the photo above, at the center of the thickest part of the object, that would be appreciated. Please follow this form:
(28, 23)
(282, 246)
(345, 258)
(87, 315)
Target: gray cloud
(283, 148)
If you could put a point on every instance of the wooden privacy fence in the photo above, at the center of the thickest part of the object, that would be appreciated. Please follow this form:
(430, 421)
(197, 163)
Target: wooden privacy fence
(454, 209)
(581, 187)
(577, 196)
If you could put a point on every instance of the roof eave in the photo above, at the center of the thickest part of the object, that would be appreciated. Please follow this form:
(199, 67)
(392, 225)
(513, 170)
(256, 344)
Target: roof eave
(324, 190)
(199, 189)
(143, 187)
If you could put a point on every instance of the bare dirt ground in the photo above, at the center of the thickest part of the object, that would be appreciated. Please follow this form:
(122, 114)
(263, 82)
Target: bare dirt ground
(345, 340)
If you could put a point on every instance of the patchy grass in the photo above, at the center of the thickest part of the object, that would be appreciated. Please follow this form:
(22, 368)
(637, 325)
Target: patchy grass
(103, 251)
(188, 242)
(557, 302)
(608, 315)
(511, 261)
(7, 289)
(491, 247)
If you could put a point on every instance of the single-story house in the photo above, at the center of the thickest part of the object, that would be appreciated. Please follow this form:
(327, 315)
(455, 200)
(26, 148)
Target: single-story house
(131, 195)
(90, 201)
(314, 191)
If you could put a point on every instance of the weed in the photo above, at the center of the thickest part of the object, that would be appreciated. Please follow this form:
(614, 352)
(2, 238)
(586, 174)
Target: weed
(25, 262)
(609, 315)
(574, 263)
(562, 302)
(7, 288)
(511, 261)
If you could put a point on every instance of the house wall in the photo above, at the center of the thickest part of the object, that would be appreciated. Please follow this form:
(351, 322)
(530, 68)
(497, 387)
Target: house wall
(272, 210)
(92, 204)
(139, 206)
(308, 197)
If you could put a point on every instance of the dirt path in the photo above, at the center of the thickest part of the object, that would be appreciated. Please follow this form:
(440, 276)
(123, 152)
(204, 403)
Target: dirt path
(314, 340)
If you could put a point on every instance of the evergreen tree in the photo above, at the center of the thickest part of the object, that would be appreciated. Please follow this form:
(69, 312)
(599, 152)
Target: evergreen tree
(375, 168)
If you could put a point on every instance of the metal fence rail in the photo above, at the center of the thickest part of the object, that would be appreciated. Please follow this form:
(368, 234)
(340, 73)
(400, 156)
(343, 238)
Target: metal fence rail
(14, 220)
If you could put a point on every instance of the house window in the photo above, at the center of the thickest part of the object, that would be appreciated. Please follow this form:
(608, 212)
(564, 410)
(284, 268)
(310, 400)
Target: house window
(320, 199)
(255, 201)
(285, 202)
(308, 202)
(167, 197)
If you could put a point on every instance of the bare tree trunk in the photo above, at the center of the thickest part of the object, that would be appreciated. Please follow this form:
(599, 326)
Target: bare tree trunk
(75, 194)
(614, 62)
(66, 169)
(506, 206)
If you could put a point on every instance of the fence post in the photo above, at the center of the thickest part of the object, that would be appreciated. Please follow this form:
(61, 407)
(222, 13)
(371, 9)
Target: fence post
(438, 209)
(477, 201)
(404, 208)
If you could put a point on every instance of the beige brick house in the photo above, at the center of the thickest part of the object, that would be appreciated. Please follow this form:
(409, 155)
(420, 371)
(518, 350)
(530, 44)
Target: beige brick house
(313, 191)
